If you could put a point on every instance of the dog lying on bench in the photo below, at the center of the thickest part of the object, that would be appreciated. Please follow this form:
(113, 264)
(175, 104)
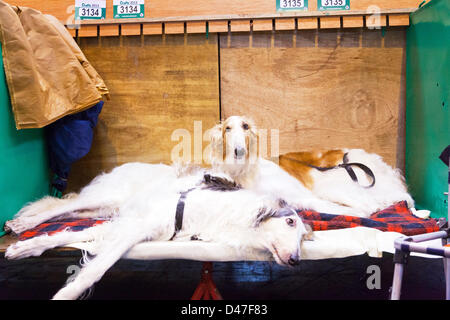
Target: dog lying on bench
(194, 206)
(316, 180)
(233, 155)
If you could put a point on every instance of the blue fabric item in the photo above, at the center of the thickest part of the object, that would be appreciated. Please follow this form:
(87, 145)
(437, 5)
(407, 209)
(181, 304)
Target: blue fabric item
(69, 139)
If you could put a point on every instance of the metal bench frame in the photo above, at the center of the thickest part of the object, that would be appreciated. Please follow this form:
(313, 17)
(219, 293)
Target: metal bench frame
(405, 245)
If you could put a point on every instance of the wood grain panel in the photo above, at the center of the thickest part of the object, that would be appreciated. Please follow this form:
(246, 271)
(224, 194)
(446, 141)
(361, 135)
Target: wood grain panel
(218, 26)
(353, 22)
(376, 21)
(307, 23)
(262, 25)
(285, 24)
(240, 25)
(152, 28)
(156, 88)
(64, 9)
(196, 27)
(109, 30)
(330, 22)
(398, 20)
(130, 30)
(342, 89)
(88, 31)
(173, 27)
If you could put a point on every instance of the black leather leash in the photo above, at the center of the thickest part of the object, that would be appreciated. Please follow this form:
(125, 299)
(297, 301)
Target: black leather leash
(347, 166)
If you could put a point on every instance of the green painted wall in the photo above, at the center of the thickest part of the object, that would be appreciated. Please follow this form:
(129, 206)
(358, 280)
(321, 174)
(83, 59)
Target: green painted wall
(427, 105)
(24, 172)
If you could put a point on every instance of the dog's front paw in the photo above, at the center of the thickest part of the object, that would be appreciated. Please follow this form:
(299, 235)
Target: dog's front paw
(19, 225)
(65, 294)
(22, 249)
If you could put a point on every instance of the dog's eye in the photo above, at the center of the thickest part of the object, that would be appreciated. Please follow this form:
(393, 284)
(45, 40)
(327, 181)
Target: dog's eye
(245, 126)
(290, 222)
(227, 129)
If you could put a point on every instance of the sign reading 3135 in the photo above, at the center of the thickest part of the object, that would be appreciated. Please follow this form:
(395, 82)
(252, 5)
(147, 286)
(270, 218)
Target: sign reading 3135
(292, 5)
(333, 4)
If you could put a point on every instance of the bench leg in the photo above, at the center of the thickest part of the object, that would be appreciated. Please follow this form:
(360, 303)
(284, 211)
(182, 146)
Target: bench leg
(400, 260)
(206, 289)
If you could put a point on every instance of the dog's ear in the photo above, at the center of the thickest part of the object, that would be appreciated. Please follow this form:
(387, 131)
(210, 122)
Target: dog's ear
(309, 235)
(214, 151)
(264, 213)
(282, 203)
(253, 139)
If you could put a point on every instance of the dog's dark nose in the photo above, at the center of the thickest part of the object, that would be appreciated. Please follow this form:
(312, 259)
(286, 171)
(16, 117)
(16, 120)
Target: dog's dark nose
(239, 152)
(294, 260)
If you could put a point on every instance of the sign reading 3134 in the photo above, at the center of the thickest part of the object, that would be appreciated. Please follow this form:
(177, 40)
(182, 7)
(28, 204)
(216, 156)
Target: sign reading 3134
(333, 4)
(128, 9)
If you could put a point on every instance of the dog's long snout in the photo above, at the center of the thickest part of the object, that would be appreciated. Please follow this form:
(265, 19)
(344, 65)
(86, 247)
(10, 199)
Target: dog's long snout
(294, 259)
(239, 152)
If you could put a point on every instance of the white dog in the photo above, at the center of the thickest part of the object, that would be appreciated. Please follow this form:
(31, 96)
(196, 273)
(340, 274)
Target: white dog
(214, 210)
(234, 156)
(234, 152)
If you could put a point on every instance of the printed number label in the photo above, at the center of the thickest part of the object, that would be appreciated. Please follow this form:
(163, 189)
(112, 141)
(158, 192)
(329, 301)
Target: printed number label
(333, 3)
(128, 9)
(90, 12)
(90, 9)
(292, 4)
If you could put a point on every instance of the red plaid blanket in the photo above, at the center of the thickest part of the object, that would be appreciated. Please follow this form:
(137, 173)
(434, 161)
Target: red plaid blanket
(58, 226)
(396, 218)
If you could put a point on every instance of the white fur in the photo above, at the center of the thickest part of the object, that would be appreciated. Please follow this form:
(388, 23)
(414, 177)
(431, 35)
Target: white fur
(146, 212)
(333, 192)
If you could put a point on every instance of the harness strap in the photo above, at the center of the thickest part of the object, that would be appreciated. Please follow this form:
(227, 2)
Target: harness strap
(347, 166)
(180, 212)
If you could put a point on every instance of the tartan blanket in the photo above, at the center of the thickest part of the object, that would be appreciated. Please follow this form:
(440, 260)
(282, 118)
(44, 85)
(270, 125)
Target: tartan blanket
(50, 228)
(396, 218)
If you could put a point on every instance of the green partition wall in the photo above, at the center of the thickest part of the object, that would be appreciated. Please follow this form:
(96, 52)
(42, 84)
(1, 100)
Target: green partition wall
(427, 105)
(23, 162)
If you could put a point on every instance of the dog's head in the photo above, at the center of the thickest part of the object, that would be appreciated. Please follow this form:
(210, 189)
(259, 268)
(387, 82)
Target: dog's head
(283, 231)
(234, 142)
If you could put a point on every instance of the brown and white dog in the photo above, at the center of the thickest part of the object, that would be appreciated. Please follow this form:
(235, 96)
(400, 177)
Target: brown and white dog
(234, 153)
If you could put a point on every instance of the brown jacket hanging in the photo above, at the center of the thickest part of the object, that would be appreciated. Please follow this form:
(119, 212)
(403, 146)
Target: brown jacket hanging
(47, 74)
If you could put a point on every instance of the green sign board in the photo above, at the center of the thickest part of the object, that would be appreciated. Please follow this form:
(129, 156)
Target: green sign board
(292, 5)
(333, 4)
(90, 9)
(128, 9)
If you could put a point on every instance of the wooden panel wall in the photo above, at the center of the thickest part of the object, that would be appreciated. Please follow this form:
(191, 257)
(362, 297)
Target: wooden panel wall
(63, 9)
(157, 84)
(321, 88)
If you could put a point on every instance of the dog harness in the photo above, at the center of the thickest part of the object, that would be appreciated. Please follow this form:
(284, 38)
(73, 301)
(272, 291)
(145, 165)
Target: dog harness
(180, 212)
(347, 166)
(210, 182)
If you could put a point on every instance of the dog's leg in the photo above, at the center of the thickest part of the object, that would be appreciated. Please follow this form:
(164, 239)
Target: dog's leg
(96, 268)
(36, 246)
(58, 207)
(325, 206)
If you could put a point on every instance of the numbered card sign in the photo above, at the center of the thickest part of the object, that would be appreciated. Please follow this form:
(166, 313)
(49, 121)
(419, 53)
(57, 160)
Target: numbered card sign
(333, 4)
(128, 9)
(90, 9)
(283, 5)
